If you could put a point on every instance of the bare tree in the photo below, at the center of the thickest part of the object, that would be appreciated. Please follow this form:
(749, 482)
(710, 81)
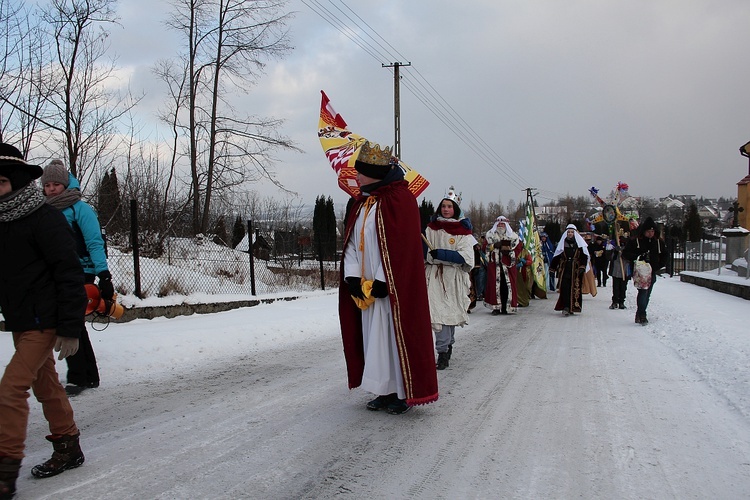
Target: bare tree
(227, 42)
(61, 88)
(23, 85)
(83, 110)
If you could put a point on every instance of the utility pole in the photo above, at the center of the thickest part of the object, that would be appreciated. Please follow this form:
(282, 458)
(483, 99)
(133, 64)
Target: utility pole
(397, 107)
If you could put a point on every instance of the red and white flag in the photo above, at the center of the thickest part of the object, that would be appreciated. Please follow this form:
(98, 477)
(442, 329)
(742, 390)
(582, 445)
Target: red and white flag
(342, 147)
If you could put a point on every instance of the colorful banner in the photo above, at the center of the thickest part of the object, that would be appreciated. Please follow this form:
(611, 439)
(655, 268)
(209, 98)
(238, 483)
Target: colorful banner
(341, 147)
(533, 245)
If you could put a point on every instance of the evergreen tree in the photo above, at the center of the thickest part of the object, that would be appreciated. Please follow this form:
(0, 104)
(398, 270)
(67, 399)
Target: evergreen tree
(330, 230)
(238, 232)
(693, 225)
(108, 206)
(426, 211)
(324, 228)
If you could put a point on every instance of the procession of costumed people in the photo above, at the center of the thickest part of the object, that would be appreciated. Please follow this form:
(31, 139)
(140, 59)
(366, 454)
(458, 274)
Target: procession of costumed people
(449, 260)
(395, 317)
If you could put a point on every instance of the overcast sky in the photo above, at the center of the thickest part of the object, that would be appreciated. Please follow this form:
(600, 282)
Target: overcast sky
(557, 95)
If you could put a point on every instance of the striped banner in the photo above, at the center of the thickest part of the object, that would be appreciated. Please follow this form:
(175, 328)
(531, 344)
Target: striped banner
(341, 147)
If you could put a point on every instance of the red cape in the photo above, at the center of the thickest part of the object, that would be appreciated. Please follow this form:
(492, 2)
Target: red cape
(454, 227)
(399, 237)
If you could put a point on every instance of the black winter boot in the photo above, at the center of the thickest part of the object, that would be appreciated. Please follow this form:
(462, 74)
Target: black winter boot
(9, 468)
(381, 402)
(613, 305)
(67, 455)
(442, 362)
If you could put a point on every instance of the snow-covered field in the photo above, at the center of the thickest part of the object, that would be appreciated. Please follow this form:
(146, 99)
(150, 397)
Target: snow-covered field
(253, 403)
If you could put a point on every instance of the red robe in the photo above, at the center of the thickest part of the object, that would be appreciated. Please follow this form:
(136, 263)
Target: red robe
(399, 238)
(491, 295)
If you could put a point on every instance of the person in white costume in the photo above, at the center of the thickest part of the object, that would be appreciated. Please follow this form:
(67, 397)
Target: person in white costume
(447, 266)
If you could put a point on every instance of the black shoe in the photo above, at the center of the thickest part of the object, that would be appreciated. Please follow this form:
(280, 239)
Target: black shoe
(398, 407)
(381, 402)
(443, 361)
(566, 312)
(74, 390)
(613, 305)
(622, 305)
(495, 312)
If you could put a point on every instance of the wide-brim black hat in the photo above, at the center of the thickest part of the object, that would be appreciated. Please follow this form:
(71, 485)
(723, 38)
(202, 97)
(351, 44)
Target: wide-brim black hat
(15, 168)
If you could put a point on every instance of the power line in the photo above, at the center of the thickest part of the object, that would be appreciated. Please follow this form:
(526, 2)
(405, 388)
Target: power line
(419, 86)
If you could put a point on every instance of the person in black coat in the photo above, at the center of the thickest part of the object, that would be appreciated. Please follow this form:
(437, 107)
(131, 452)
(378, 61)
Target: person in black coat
(43, 302)
(596, 250)
(650, 248)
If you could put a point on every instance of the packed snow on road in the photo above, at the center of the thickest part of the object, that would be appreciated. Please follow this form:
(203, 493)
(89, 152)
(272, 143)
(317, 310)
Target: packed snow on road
(253, 403)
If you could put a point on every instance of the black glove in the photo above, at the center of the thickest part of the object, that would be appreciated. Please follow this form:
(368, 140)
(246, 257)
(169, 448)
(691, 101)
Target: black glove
(581, 271)
(105, 285)
(379, 289)
(355, 287)
(434, 253)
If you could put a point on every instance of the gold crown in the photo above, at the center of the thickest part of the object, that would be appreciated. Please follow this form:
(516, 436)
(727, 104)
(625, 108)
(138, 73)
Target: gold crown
(373, 155)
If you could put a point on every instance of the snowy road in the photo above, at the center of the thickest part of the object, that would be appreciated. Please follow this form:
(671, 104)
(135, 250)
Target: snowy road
(533, 406)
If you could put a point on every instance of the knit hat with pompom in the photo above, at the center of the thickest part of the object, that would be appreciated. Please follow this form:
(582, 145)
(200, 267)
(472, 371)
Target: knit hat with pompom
(55, 172)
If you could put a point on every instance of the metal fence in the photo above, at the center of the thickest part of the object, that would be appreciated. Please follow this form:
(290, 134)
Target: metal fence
(701, 256)
(188, 266)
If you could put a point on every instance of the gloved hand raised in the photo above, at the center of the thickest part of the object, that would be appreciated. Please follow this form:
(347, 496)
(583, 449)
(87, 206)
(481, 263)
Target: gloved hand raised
(66, 346)
(379, 289)
(105, 285)
(355, 287)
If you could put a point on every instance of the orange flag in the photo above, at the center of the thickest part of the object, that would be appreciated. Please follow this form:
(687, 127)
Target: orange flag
(341, 147)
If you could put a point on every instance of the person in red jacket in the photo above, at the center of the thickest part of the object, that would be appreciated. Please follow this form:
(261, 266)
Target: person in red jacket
(43, 302)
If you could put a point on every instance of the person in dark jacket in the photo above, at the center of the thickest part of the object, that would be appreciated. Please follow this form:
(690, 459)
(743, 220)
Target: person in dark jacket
(619, 269)
(650, 248)
(62, 191)
(43, 302)
(596, 250)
